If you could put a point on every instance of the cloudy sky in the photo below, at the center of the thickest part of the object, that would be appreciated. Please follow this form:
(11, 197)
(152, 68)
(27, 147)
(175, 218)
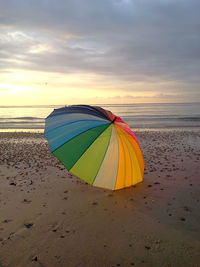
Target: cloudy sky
(99, 51)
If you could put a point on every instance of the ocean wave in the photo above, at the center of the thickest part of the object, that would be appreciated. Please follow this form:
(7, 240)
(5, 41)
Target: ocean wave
(160, 118)
(136, 115)
(190, 118)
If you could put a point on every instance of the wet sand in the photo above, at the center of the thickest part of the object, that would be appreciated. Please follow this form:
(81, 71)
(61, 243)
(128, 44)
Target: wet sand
(48, 217)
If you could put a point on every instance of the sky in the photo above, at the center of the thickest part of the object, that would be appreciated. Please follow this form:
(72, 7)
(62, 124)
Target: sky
(91, 51)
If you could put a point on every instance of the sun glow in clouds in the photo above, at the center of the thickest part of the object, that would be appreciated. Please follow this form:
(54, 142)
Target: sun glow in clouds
(9, 90)
(132, 55)
(36, 49)
(60, 88)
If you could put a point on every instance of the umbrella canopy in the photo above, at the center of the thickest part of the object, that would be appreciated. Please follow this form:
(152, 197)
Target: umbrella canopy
(95, 145)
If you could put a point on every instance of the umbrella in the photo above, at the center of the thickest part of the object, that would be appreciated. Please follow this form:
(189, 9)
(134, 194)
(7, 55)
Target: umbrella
(95, 145)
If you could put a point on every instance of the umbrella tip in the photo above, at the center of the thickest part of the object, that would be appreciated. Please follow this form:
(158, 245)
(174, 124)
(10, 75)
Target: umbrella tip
(114, 119)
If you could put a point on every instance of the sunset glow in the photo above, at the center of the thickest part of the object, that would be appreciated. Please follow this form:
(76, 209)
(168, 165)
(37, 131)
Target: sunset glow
(49, 60)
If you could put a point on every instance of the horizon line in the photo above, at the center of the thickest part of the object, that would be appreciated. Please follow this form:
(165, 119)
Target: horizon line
(100, 104)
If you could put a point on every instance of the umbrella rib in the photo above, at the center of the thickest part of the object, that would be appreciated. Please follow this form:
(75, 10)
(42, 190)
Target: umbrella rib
(128, 130)
(69, 117)
(103, 156)
(137, 158)
(96, 109)
(127, 141)
(124, 153)
(89, 145)
(81, 133)
(140, 151)
(140, 167)
(70, 123)
(61, 135)
(81, 109)
(118, 158)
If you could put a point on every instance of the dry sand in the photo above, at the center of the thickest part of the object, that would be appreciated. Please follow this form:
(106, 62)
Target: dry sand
(50, 218)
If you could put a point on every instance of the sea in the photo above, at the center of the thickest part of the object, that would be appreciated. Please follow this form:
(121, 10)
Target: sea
(148, 116)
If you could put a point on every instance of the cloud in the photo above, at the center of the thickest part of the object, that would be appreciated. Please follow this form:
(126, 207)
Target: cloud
(136, 41)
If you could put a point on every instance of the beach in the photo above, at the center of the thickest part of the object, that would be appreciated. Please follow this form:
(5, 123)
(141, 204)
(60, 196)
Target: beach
(48, 217)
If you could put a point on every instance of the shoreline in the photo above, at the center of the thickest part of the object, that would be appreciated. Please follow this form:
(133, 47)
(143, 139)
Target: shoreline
(51, 218)
(167, 129)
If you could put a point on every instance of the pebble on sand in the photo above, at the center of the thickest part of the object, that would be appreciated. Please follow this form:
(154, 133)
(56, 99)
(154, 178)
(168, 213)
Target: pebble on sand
(28, 225)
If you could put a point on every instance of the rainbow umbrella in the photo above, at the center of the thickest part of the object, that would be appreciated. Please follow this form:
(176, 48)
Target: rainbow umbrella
(95, 145)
